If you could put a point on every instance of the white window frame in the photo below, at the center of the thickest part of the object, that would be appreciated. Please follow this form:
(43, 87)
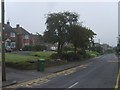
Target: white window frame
(14, 45)
(26, 36)
(12, 34)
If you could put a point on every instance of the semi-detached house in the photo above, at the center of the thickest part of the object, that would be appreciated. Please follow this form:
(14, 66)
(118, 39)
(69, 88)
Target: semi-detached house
(17, 37)
(23, 37)
(10, 36)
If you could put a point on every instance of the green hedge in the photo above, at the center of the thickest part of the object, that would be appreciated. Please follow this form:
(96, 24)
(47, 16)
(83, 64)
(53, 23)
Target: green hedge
(34, 48)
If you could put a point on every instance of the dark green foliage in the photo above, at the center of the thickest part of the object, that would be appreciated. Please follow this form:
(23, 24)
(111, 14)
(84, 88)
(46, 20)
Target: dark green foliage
(81, 37)
(98, 49)
(58, 25)
(83, 53)
(67, 49)
(28, 48)
(63, 27)
(71, 56)
(34, 48)
(40, 47)
(54, 56)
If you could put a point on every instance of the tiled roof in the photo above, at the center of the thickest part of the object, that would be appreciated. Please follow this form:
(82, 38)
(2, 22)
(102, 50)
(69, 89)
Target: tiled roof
(8, 28)
(22, 31)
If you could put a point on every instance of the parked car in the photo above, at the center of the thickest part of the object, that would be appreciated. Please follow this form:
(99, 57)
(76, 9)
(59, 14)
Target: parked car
(8, 49)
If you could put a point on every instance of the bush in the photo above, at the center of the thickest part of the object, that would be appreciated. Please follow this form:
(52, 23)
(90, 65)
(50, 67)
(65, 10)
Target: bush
(40, 47)
(28, 48)
(54, 56)
(83, 54)
(67, 49)
(71, 56)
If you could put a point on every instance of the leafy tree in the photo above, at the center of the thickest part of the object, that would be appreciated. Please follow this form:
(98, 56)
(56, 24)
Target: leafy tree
(80, 37)
(98, 49)
(58, 25)
(91, 35)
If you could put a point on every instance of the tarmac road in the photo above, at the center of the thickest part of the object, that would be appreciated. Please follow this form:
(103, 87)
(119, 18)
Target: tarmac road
(100, 72)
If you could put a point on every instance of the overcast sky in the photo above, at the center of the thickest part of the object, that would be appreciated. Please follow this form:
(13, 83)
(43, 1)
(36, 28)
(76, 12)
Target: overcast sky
(101, 17)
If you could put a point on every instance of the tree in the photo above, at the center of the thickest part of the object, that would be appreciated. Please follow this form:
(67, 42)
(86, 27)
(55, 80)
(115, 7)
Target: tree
(58, 25)
(80, 37)
(91, 35)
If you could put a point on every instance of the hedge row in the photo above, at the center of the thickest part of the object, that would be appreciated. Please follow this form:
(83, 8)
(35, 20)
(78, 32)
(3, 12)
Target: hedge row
(34, 48)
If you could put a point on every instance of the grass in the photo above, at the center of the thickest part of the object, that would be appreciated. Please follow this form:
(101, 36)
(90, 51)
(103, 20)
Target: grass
(26, 62)
(43, 55)
(14, 57)
(10, 57)
(93, 53)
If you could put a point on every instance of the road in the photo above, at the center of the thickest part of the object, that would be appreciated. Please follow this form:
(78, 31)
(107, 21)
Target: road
(100, 72)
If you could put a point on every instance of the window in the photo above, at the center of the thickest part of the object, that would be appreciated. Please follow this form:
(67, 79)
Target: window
(27, 44)
(26, 36)
(12, 34)
(12, 45)
(6, 43)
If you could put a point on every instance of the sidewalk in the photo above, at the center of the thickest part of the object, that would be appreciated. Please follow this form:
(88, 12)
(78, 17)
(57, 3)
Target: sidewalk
(16, 76)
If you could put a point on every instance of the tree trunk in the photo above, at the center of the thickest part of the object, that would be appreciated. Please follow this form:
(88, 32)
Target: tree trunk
(59, 49)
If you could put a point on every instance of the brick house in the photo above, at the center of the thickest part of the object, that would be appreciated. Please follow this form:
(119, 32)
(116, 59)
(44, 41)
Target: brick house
(10, 36)
(23, 37)
(18, 37)
(37, 39)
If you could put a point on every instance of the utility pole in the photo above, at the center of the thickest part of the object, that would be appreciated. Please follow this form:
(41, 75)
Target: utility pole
(3, 44)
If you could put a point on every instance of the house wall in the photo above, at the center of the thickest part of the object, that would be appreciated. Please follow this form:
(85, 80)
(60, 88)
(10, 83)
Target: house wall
(13, 39)
(22, 41)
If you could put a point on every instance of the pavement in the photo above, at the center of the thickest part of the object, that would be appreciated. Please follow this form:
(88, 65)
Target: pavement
(15, 76)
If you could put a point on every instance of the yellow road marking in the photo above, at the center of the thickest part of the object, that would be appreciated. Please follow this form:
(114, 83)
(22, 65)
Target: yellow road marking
(117, 81)
(45, 79)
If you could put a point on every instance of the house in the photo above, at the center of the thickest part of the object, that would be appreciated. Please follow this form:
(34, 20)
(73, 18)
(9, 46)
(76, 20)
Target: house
(106, 47)
(37, 39)
(23, 37)
(10, 36)
(17, 38)
(97, 44)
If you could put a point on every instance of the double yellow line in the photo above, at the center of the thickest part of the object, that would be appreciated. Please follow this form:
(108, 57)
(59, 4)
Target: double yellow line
(117, 81)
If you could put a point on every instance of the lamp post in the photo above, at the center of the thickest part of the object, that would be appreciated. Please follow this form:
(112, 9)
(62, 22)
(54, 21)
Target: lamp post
(3, 44)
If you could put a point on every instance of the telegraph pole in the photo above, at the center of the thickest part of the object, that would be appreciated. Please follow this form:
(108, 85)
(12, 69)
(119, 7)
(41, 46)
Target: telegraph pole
(3, 43)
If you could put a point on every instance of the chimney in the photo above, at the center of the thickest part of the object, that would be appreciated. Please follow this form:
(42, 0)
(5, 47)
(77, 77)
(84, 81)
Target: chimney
(8, 23)
(17, 26)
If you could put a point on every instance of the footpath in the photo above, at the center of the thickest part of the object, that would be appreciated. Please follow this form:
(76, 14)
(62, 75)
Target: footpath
(15, 76)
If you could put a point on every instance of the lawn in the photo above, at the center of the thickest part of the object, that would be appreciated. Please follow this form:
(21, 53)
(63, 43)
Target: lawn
(14, 57)
(26, 62)
(43, 55)
(10, 57)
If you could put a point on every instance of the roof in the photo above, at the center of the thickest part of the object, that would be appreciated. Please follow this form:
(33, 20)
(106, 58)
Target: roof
(21, 31)
(8, 28)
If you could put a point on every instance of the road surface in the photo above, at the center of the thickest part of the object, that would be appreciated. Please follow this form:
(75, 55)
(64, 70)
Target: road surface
(100, 72)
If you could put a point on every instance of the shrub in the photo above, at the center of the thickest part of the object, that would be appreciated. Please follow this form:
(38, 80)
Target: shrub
(70, 56)
(83, 54)
(40, 47)
(54, 56)
(67, 49)
(28, 48)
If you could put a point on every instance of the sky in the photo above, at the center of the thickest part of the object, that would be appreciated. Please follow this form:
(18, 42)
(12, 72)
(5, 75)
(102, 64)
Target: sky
(101, 17)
